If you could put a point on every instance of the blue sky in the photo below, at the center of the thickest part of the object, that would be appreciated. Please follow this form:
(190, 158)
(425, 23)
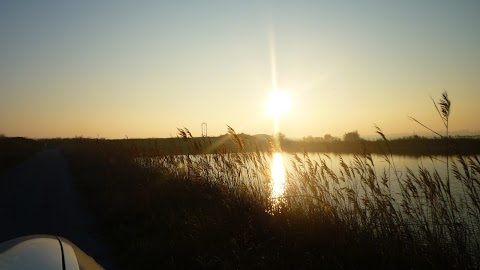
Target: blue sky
(144, 68)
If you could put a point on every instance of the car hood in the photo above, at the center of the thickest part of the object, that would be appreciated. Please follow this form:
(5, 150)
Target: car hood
(44, 252)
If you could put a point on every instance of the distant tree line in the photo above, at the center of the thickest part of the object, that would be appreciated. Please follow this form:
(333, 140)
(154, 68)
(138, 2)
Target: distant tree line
(351, 143)
(411, 145)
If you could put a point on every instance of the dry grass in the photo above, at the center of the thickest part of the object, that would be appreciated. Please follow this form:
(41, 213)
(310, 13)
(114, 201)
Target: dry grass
(214, 209)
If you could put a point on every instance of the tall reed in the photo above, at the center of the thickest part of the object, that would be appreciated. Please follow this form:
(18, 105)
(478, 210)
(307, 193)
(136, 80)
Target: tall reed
(421, 216)
(211, 205)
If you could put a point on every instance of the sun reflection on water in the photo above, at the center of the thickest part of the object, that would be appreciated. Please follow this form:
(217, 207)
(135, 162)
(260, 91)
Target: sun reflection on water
(278, 175)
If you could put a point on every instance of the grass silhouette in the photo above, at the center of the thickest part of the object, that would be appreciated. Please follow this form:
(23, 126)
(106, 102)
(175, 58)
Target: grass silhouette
(213, 209)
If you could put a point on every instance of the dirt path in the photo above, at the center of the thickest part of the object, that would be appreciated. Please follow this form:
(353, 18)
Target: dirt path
(38, 197)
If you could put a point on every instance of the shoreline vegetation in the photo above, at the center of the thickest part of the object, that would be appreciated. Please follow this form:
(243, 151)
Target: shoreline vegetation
(179, 212)
(216, 211)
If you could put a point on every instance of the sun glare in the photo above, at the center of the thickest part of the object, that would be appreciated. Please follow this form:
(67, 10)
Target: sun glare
(278, 175)
(278, 103)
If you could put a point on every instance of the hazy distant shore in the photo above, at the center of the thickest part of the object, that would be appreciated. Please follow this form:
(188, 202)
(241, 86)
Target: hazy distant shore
(414, 145)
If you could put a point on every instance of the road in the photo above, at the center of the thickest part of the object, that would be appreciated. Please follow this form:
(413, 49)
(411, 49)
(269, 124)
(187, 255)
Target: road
(38, 197)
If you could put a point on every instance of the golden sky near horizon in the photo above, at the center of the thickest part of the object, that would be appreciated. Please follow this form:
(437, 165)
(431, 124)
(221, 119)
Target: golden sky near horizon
(141, 69)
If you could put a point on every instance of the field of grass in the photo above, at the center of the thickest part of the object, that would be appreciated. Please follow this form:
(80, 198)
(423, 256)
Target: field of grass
(204, 211)
(215, 209)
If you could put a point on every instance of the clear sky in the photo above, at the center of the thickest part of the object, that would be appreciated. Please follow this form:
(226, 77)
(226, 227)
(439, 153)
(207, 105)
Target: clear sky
(144, 68)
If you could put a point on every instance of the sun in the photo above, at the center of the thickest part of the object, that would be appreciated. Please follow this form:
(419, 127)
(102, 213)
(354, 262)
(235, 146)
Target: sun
(278, 103)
